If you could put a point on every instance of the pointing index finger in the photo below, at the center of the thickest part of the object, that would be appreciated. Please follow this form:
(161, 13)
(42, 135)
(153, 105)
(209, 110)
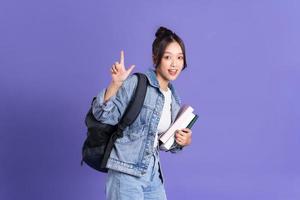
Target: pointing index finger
(122, 58)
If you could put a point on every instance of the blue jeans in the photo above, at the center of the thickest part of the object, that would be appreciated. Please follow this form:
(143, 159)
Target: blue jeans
(122, 186)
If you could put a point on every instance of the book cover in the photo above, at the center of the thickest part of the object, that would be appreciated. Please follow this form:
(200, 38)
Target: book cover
(191, 121)
(183, 118)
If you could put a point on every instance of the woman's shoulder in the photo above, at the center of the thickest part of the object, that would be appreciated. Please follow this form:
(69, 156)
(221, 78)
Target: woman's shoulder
(175, 94)
(130, 82)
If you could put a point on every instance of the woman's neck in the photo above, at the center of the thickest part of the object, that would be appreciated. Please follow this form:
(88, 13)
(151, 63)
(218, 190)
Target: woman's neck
(163, 84)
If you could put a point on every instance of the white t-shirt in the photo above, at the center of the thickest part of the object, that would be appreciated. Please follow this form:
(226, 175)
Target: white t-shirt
(165, 119)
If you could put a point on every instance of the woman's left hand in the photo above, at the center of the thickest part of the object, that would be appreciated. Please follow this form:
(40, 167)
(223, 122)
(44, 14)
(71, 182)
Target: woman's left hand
(183, 137)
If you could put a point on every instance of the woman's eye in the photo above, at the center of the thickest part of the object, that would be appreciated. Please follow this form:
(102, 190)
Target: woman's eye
(167, 57)
(180, 57)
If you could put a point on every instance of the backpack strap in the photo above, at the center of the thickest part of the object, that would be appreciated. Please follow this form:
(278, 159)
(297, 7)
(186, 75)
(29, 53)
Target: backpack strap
(135, 105)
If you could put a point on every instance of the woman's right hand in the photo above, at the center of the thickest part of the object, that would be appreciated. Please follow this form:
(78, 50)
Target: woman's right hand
(118, 72)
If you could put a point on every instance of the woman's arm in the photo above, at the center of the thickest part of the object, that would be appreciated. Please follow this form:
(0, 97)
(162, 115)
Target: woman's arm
(111, 90)
(111, 103)
(111, 110)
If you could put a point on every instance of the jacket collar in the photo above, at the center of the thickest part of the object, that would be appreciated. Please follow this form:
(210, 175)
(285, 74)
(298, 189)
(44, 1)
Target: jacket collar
(151, 75)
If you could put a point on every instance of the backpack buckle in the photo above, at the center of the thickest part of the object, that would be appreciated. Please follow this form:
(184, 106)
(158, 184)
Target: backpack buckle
(119, 133)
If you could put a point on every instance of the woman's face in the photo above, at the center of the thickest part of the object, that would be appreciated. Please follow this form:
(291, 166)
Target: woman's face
(171, 63)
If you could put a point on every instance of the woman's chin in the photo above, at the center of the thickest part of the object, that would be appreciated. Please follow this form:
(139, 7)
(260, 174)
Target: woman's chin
(172, 78)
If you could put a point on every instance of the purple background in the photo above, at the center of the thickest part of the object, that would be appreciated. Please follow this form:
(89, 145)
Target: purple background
(243, 80)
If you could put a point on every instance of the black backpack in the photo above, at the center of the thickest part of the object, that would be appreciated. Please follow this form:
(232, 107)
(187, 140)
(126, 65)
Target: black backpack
(101, 137)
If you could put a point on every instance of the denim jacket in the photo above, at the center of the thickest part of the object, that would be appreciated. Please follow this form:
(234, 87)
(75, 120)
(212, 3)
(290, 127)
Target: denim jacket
(131, 153)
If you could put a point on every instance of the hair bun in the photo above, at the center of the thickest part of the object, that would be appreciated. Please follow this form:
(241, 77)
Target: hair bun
(162, 32)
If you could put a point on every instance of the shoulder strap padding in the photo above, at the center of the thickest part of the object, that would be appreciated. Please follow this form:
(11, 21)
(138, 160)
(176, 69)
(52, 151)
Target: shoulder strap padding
(135, 105)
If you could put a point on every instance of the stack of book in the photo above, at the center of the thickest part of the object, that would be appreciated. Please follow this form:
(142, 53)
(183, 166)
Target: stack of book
(185, 119)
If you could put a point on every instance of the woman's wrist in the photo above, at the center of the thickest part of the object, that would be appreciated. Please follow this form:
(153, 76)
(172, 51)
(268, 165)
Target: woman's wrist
(112, 90)
(116, 84)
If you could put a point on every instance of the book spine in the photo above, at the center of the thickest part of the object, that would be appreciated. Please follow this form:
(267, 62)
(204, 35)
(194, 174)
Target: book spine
(192, 122)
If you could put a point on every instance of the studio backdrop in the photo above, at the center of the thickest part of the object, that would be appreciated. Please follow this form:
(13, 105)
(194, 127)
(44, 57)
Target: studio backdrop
(242, 79)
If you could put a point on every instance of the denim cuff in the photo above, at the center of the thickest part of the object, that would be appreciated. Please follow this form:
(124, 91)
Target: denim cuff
(105, 106)
(175, 147)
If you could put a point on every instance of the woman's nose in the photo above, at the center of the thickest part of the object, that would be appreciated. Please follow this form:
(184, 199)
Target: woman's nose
(173, 63)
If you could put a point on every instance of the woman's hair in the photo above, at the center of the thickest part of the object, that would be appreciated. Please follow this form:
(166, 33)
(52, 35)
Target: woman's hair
(163, 38)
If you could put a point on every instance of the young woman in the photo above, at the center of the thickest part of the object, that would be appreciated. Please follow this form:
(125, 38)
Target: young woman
(134, 168)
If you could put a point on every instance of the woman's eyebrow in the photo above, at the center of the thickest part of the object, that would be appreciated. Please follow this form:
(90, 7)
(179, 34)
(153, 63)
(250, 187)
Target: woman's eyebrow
(171, 53)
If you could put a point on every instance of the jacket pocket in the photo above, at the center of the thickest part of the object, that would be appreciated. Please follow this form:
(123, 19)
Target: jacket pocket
(130, 147)
(144, 116)
(133, 133)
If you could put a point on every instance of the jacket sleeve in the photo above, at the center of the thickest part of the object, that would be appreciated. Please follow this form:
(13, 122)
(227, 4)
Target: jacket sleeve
(111, 111)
